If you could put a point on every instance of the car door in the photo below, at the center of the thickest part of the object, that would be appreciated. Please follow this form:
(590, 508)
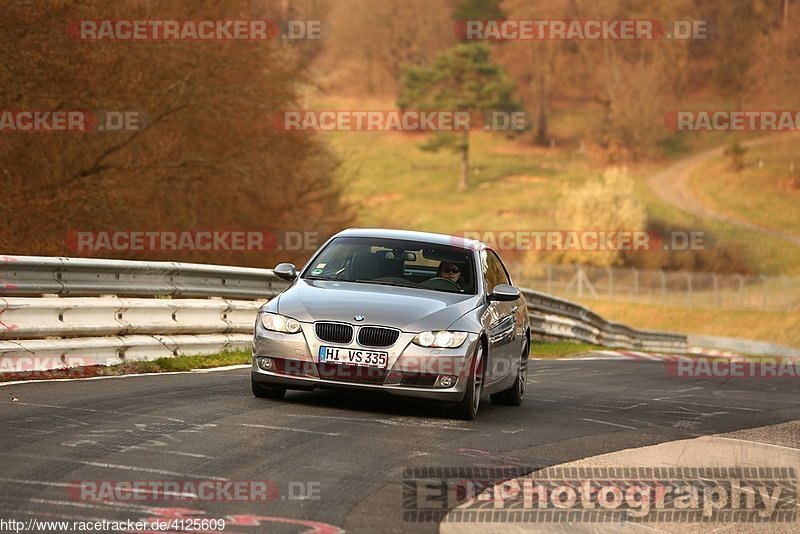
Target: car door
(499, 320)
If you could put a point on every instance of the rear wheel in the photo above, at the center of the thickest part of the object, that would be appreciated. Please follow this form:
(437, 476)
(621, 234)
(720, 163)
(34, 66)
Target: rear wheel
(467, 409)
(514, 395)
(267, 392)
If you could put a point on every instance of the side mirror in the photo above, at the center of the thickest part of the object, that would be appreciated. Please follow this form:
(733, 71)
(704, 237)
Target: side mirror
(504, 293)
(286, 271)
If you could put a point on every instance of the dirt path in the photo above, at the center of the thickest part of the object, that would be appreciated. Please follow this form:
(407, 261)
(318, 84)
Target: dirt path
(672, 186)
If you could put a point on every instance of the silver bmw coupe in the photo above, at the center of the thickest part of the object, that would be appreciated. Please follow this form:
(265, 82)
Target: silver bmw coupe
(409, 313)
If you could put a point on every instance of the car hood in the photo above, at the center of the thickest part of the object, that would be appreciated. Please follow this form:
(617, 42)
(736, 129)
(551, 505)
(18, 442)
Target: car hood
(410, 310)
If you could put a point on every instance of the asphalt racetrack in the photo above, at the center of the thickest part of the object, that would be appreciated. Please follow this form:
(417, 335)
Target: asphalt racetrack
(333, 458)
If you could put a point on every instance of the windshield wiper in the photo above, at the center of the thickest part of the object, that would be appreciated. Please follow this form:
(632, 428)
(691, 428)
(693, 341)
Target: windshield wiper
(326, 277)
(389, 283)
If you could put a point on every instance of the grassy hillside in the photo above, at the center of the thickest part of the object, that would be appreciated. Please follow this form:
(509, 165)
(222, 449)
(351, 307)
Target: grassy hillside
(515, 185)
(768, 195)
(392, 183)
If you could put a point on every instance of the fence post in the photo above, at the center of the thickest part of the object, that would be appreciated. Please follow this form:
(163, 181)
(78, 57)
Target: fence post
(635, 281)
(610, 272)
(549, 279)
(785, 281)
(688, 289)
(741, 290)
(716, 290)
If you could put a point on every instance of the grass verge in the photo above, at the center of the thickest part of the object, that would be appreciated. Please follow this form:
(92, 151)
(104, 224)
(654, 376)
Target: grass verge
(775, 327)
(550, 350)
(546, 350)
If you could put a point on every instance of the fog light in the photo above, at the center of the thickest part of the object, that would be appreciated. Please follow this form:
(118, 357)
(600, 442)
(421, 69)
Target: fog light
(265, 364)
(446, 381)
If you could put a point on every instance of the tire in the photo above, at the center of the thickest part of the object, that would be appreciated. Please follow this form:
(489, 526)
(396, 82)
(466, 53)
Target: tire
(467, 409)
(266, 392)
(514, 395)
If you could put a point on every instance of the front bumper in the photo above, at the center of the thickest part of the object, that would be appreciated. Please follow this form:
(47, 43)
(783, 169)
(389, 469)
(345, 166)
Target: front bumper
(410, 370)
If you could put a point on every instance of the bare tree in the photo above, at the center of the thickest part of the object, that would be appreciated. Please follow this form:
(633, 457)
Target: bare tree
(206, 157)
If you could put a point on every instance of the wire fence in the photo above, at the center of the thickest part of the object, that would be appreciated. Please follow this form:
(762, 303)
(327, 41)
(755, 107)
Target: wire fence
(670, 288)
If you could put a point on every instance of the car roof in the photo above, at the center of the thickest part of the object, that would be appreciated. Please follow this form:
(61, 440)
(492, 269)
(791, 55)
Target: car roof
(411, 235)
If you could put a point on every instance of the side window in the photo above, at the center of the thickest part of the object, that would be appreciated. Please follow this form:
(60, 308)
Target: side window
(493, 271)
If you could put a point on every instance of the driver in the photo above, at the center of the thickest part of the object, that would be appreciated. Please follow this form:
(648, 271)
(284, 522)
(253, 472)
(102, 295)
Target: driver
(450, 271)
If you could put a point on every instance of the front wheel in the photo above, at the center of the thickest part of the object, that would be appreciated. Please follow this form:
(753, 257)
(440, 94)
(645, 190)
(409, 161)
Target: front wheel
(514, 395)
(265, 392)
(467, 409)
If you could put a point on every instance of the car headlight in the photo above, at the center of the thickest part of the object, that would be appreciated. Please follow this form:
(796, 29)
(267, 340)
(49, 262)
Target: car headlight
(442, 339)
(279, 323)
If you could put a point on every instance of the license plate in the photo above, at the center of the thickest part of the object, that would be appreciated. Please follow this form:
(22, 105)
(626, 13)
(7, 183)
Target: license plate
(365, 358)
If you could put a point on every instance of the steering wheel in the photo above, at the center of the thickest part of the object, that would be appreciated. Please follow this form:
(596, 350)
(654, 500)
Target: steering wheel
(438, 282)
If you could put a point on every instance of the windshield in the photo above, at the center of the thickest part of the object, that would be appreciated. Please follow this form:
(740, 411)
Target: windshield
(395, 262)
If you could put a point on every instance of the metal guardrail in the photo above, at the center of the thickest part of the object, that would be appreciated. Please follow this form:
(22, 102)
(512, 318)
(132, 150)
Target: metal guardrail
(81, 310)
(559, 318)
(70, 277)
(36, 318)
